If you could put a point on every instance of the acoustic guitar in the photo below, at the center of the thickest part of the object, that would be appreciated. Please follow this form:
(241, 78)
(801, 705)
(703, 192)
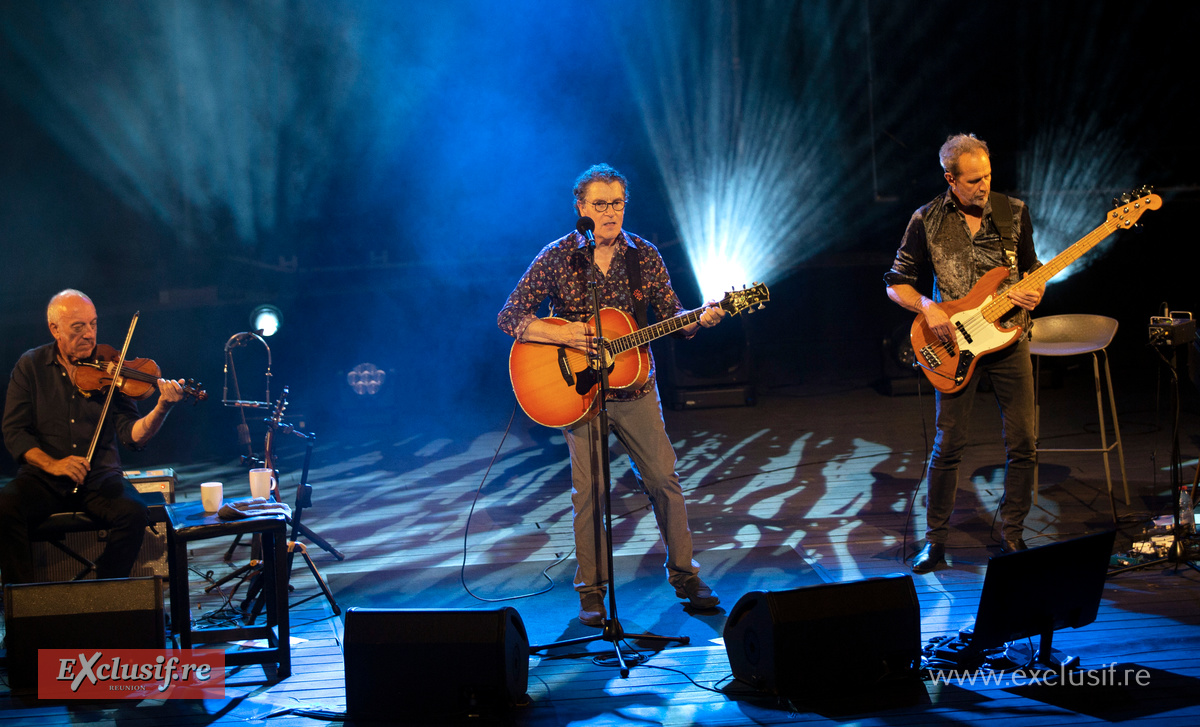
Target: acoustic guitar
(558, 386)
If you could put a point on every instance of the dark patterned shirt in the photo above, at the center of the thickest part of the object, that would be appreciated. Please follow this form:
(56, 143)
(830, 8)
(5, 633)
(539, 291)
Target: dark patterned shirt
(938, 238)
(43, 409)
(559, 273)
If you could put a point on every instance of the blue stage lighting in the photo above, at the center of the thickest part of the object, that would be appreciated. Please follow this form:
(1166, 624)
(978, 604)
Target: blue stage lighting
(1058, 177)
(751, 160)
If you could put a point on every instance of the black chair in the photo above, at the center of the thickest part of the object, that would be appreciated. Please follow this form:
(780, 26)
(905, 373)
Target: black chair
(55, 529)
(54, 532)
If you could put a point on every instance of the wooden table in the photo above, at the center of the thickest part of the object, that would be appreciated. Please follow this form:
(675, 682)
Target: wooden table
(188, 522)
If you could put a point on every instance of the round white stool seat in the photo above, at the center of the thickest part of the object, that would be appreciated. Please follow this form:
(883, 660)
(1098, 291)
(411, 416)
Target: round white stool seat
(1069, 335)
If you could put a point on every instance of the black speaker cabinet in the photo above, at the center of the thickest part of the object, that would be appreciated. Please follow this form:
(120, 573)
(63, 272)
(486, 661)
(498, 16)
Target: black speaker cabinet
(828, 639)
(408, 663)
(120, 613)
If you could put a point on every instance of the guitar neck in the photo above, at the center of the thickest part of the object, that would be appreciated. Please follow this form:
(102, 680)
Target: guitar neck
(998, 307)
(645, 335)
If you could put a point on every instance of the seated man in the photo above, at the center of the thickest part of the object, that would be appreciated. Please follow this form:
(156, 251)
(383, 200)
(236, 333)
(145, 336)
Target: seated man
(48, 428)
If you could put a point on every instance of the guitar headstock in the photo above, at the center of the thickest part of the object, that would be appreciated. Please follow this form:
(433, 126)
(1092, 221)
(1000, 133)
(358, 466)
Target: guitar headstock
(192, 389)
(736, 301)
(277, 413)
(1131, 205)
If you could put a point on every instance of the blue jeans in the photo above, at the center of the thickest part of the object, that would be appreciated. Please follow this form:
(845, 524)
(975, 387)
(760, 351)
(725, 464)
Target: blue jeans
(1011, 373)
(639, 426)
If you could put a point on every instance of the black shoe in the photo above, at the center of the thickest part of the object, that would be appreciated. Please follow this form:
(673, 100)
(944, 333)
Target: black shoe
(1011, 545)
(928, 558)
(697, 593)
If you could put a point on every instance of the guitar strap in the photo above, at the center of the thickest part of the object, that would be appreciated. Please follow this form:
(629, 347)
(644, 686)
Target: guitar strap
(633, 270)
(1002, 218)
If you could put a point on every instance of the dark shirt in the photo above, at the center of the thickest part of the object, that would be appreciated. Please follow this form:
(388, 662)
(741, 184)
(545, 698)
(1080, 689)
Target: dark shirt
(938, 238)
(559, 272)
(43, 409)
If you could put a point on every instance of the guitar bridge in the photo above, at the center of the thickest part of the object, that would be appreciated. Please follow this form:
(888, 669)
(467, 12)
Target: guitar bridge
(564, 367)
(932, 360)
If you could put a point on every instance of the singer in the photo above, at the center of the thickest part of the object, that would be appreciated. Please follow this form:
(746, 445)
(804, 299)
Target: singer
(632, 278)
(48, 425)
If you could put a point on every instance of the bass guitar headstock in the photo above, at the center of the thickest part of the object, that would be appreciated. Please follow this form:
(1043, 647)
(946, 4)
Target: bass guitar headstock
(1130, 206)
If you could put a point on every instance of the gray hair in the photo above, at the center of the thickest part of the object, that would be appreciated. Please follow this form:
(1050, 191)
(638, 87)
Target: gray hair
(598, 173)
(55, 306)
(956, 145)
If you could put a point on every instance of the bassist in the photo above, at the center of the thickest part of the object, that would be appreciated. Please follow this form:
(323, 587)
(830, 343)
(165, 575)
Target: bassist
(958, 237)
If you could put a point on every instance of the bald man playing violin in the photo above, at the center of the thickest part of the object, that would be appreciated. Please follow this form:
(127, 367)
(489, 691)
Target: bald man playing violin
(48, 428)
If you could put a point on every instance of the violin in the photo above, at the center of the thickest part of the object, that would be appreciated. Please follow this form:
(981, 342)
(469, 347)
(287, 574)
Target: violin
(137, 379)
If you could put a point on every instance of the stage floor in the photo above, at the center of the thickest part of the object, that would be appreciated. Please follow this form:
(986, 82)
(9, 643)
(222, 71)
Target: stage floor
(811, 485)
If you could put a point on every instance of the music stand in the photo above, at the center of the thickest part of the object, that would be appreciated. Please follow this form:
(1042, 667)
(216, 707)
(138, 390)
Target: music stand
(1038, 591)
(613, 632)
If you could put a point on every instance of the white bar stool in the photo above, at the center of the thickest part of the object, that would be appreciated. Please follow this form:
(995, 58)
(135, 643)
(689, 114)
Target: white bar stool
(1073, 335)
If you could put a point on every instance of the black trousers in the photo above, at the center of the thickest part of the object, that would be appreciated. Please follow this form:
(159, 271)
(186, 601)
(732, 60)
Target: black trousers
(29, 499)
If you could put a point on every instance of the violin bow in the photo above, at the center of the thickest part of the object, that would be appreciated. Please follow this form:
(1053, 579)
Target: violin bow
(112, 388)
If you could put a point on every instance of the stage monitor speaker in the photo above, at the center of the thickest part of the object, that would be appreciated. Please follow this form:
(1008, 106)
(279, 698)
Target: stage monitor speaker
(402, 664)
(825, 640)
(119, 613)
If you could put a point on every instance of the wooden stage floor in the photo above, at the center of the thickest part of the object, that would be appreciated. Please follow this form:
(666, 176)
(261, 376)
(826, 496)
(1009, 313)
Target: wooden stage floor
(810, 485)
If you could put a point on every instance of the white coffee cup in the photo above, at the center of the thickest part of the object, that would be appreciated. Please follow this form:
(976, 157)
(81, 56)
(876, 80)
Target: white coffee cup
(262, 481)
(210, 496)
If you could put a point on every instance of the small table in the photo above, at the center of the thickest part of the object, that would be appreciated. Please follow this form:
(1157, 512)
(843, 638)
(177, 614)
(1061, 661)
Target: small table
(189, 522)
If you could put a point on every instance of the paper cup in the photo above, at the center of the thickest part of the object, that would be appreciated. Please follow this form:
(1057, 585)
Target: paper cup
(262, 481)
(210, 496)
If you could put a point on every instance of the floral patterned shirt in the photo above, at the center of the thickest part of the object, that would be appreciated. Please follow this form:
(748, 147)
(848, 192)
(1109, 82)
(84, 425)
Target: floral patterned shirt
(559, 273)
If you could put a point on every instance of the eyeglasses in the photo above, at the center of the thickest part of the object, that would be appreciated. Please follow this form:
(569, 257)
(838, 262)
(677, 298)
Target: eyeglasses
(600, 205)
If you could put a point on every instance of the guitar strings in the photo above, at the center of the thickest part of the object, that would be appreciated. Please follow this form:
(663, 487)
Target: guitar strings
(980, 322)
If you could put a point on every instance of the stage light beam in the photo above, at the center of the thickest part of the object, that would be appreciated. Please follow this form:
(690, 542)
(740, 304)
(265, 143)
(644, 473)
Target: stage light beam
(751, 158)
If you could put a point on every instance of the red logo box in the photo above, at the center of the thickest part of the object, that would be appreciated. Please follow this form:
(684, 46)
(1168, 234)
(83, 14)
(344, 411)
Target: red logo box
(131, 674)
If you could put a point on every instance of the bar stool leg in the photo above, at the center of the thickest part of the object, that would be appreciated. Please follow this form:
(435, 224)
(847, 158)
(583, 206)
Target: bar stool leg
(1112, 403)
(1112, 505)
(1037, 424)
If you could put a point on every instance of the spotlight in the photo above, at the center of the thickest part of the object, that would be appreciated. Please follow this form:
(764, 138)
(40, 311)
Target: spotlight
(266, 319)
(366, 379)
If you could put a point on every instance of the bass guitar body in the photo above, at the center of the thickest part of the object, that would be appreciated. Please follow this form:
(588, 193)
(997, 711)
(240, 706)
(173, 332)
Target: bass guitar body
(558, 386)
(949, 366)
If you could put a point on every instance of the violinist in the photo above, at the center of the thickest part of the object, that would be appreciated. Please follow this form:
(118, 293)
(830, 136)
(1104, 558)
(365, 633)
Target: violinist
(49, 424)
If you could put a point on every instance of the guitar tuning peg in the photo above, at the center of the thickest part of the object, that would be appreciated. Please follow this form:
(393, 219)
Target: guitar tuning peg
(762, 305)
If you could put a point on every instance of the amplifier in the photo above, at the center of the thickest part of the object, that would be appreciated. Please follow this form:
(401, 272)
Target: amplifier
(162, 480)
(121, 613)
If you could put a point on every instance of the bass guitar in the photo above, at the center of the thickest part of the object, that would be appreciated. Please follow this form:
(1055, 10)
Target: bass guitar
(976, 316)
(558, 386)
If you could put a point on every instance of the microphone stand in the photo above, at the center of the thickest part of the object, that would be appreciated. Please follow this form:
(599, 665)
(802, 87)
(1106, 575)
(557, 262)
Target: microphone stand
(613, 631)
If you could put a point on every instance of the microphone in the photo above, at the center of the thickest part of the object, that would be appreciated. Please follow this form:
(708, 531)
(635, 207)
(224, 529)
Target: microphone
(238, 339)
(585, 226)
